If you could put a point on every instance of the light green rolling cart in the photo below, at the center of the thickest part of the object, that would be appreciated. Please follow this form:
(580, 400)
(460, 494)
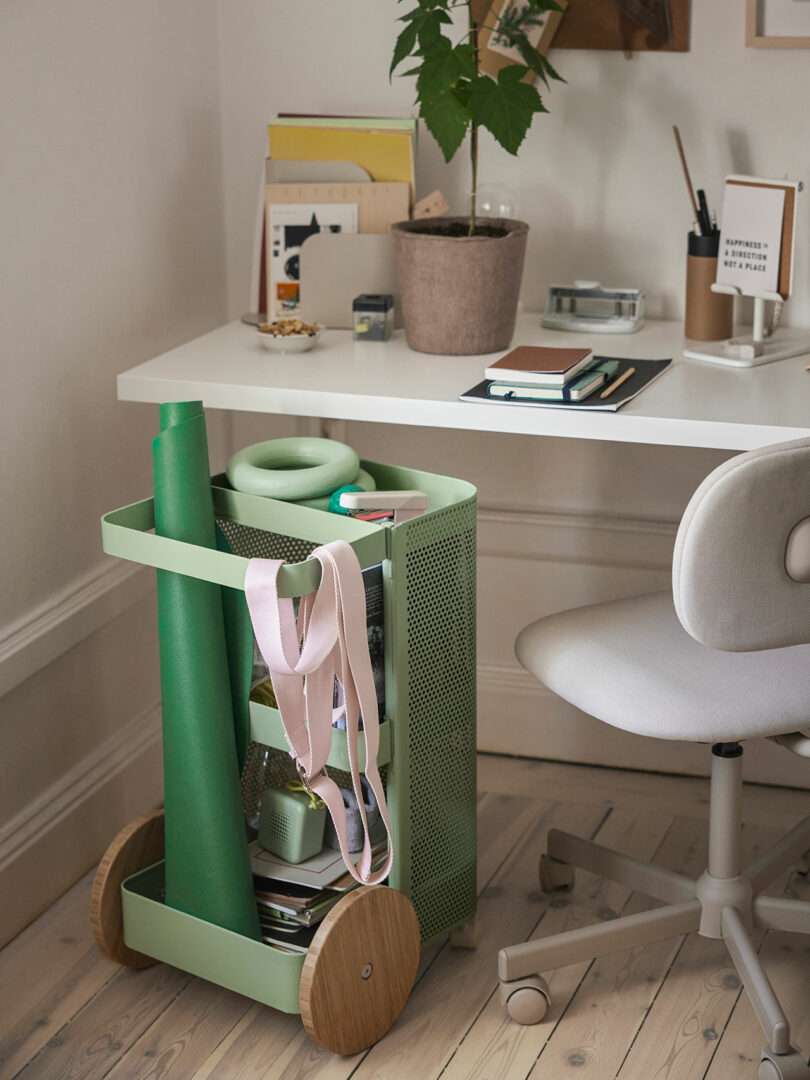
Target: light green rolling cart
(427, 751)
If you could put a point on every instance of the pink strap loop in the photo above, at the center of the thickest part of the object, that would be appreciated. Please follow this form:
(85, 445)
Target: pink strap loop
(304, 657)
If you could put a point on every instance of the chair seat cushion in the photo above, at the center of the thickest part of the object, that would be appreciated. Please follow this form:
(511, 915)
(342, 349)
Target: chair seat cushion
(631, 664)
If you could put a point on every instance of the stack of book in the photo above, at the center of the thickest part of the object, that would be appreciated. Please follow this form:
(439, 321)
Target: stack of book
(294, 898)
(565, 379)
(547, 374)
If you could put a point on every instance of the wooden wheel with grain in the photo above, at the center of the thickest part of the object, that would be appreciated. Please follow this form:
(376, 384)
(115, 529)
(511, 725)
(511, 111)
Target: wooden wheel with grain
(359, 969)
(136, 846)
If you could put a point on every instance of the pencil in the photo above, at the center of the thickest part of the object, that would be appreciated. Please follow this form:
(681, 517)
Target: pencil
(686, 175)
(617, 382)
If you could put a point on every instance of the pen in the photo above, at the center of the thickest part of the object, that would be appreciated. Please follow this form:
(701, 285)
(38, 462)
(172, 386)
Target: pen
(617, 382)
(705, 216)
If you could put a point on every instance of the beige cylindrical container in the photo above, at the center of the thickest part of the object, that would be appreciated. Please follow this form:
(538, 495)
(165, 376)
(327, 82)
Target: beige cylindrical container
(709, 315)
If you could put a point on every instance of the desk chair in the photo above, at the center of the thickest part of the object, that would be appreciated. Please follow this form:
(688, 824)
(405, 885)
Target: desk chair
(721, 659)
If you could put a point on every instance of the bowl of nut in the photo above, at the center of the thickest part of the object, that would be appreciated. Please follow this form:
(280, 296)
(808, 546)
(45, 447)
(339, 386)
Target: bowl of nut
(288, 335)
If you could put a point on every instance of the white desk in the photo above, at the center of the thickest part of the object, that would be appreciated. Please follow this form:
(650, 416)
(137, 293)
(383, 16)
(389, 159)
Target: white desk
(693, 404)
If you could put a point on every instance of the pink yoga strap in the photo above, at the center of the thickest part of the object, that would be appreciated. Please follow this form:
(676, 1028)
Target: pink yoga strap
(328, 641)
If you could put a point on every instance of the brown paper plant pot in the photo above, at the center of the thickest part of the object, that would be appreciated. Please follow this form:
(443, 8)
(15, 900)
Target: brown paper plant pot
(459, 294)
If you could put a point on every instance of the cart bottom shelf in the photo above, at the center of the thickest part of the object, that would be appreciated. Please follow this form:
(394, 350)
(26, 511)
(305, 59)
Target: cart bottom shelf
(248, 967)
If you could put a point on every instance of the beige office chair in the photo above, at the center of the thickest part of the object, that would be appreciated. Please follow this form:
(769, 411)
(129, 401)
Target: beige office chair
(720, 660)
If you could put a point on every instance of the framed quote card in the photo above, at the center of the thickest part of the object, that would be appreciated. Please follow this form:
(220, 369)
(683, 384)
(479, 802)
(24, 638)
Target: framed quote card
(756, 236)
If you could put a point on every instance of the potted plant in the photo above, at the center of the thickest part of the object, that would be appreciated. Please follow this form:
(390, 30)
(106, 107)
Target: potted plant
(459, 278)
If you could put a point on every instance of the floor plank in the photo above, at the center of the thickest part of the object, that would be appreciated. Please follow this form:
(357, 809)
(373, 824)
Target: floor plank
(103, 1031)
(681, 1030)
(460, 984)
(47, 974)
(496, 1047)
(612, 1000)
(184, 1035)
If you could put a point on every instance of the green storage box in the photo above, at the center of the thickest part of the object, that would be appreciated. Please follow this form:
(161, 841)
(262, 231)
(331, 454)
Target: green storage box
(289, 826)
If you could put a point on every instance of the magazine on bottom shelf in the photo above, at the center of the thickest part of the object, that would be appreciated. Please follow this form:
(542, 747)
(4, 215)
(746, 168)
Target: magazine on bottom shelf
(646, 372)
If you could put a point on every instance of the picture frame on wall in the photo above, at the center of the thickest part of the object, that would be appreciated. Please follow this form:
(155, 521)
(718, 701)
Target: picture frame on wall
(495, 55)
(777, 24)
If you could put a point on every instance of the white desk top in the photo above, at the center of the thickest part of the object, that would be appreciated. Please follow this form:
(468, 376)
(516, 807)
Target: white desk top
(693, 404)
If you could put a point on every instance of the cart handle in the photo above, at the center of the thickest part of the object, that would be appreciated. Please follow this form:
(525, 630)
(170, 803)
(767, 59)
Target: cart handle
(127, 534)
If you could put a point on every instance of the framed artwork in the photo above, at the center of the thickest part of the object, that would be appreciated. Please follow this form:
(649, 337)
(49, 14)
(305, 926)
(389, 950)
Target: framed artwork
(626, 25)
(496, 55)
(777, 24)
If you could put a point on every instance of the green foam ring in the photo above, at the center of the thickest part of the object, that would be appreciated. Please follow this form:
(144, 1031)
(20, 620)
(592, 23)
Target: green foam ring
(207, 866)
(293, 469)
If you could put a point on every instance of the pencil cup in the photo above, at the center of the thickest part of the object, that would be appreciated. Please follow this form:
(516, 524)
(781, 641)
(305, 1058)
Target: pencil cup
(709, 315)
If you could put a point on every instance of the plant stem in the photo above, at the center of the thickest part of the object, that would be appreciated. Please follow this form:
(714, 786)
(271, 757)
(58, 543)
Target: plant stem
(474, 126)
(474, 173)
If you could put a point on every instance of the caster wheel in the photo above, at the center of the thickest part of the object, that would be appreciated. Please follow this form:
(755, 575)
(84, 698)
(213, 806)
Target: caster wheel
(783, 1067)
(466, 936)
(526, 1000)
(359, 970)
(555, 876)
(136, 846)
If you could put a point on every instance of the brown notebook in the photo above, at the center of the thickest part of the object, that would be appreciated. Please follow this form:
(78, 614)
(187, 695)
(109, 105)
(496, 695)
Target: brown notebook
(536, 365)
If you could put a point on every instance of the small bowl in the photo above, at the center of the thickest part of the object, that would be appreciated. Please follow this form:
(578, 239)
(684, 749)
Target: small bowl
(289, 343)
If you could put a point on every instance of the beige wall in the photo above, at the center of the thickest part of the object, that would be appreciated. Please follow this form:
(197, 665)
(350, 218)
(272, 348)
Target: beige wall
(562, 523)
(112, 250)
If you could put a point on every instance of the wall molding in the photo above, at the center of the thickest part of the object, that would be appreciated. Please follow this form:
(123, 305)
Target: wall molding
(67, 617)
(59, 801)
(579, 537)
(50, 843)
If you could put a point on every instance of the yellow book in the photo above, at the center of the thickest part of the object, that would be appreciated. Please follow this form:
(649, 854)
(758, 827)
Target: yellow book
(385, 155)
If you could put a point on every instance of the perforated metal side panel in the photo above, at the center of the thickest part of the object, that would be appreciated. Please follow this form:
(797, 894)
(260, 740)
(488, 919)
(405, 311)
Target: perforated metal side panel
(258, 544)
(441, 572)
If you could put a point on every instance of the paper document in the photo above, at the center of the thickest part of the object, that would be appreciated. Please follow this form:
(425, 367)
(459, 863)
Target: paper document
(751, 238)
(290, 225)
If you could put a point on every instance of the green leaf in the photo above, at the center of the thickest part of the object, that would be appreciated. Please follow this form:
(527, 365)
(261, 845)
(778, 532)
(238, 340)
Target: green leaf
(536, 62)
(430, 30)
(443, 67)
(404, 46)
(447, 120)
(506, 107)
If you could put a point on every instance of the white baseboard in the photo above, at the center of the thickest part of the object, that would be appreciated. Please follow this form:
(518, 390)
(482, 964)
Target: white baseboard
(58, 836)
(541, 725)
(90, 601)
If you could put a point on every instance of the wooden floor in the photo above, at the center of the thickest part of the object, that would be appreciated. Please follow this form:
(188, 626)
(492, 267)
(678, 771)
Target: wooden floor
(671, 1011)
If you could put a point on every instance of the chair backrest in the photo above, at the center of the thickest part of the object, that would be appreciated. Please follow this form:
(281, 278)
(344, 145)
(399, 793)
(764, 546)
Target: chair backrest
(741, 567)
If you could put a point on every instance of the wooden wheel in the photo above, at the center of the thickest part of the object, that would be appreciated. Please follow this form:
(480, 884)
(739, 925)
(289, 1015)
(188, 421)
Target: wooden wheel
(359, 969)
(136, 846)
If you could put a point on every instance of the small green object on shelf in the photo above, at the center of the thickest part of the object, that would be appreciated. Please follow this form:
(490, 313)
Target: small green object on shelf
(292, 823)
(334, 499)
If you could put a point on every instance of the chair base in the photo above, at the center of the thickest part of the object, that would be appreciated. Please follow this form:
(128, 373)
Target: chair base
(724, 903)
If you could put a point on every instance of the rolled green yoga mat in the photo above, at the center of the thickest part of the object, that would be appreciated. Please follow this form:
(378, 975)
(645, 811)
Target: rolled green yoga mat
(207, 867)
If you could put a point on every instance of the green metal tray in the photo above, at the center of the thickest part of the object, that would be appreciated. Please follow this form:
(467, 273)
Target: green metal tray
(266, 728)
(248, 967)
